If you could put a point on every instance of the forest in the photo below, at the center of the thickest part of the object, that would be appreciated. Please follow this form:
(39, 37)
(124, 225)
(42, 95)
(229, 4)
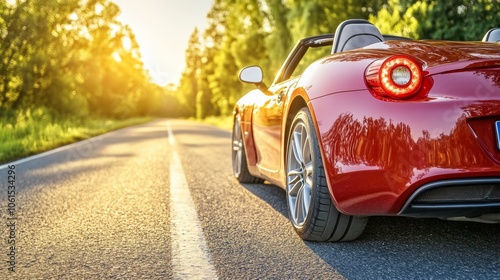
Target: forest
(262, 32)
(73, 59)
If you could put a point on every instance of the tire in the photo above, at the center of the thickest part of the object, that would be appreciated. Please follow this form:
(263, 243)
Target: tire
(311, 211)
(239, 159)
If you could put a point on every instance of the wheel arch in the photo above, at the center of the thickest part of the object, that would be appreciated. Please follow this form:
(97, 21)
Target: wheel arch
(296, 104)
(322, 221)
(245, 115)
(299, 101)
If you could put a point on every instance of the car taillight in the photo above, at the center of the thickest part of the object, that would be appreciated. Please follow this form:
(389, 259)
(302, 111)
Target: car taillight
(398, 76)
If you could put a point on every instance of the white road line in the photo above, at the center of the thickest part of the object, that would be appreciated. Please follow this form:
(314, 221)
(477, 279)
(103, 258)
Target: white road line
(190, 254)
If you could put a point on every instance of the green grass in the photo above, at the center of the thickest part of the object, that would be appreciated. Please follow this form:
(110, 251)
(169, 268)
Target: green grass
(225, 122)
(29, 132)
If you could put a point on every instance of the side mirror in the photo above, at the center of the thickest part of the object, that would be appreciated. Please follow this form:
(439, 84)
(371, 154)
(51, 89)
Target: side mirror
(254, 75)
(251, 74)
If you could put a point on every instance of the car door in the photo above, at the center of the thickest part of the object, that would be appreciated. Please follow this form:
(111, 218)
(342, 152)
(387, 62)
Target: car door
(268, 109)
(267, 121)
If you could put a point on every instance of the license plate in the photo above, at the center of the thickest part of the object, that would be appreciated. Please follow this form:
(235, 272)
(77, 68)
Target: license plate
(497, 126)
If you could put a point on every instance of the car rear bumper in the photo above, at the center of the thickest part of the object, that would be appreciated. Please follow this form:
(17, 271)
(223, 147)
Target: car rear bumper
(382, 157)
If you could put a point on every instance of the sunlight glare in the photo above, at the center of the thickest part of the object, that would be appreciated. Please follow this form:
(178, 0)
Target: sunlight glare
(162, 29)
(127, 43)
(99, 8)
(11, 3)
(117, 57)
(73, 16)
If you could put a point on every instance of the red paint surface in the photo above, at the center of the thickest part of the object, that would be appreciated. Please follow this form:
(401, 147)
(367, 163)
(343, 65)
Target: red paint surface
(378, 151)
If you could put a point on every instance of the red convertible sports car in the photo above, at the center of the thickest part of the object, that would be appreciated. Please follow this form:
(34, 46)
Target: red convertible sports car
(359, 124)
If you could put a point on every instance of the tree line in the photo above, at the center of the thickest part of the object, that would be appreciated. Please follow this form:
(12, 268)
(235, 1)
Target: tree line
(74, 57)
(262, 32)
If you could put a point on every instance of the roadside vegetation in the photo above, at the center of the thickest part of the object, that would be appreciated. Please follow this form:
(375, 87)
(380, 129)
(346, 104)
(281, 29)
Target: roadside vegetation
(224, 122)
(31, 132)
(262, 32)
(70, 70)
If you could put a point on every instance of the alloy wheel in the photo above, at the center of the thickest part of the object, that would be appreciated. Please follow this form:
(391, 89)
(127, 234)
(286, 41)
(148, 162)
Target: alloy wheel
(300, 174)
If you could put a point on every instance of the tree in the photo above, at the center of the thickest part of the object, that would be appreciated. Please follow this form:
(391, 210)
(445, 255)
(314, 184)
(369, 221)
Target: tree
(279, 42)
(72, 57)
(29, 36)
(188, 87)
(445, 20)
(212, 38)
(401, 17)
(461, 19)
(235, 37)
(307, 18)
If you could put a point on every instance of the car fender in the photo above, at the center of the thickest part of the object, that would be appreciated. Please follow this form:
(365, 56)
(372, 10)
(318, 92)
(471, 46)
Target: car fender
(244, 109)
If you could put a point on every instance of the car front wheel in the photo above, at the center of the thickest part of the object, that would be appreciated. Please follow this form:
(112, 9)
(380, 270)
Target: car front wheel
(311, 211)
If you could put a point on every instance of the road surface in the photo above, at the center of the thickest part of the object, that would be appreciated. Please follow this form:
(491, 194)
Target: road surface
(158, 201)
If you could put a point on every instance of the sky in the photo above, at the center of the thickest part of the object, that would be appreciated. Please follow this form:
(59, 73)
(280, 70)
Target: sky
(162, 29)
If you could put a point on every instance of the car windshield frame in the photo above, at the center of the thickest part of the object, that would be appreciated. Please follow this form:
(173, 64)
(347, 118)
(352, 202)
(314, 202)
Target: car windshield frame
(298, 52)
(300, 49)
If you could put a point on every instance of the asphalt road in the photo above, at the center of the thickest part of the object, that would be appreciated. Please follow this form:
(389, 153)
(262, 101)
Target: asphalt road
(158, 201)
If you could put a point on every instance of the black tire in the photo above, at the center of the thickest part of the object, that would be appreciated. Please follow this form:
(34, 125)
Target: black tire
(239, 159)
(311, 211)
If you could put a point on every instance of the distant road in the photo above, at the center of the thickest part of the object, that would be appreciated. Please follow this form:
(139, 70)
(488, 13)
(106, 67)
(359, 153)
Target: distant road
(158, 201)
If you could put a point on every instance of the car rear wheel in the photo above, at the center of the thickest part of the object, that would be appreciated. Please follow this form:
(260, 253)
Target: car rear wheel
(311, 211)
(240, 165)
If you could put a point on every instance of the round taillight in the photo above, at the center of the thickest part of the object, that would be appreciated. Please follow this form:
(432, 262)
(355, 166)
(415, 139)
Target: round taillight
(398, 76)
